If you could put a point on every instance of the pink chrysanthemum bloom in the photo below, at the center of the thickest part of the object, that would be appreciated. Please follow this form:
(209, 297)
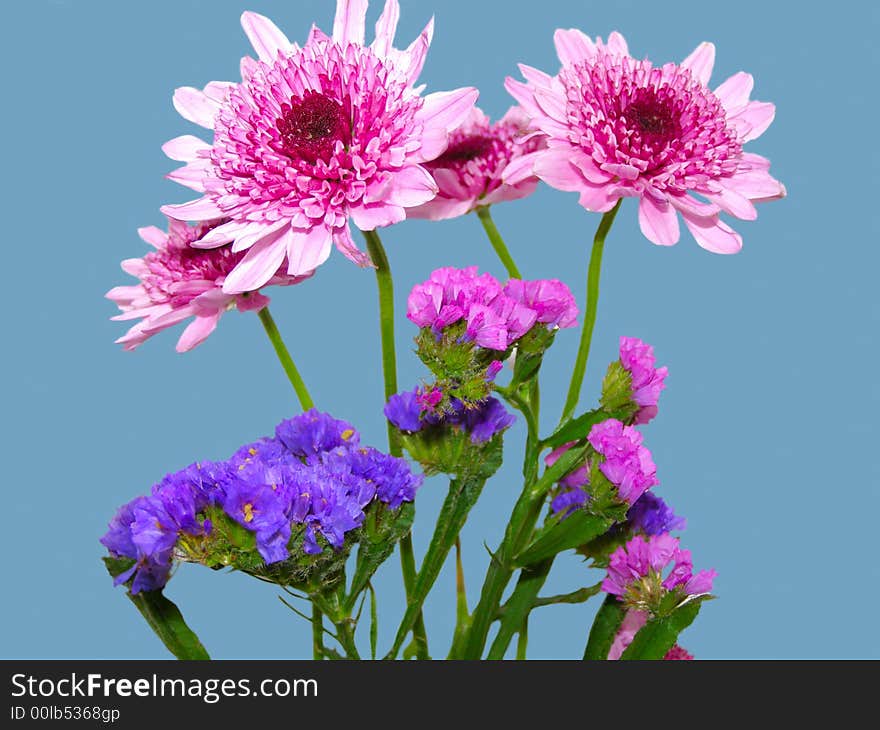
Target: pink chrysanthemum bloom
(311, 138)
(469, 173)
(642, 572)
(619, 127)
(178, 282)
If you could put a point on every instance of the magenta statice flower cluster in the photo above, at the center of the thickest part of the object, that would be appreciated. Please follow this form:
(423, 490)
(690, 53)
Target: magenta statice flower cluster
(645, 570)
(312, 475)
(638, 360)
(495, 316)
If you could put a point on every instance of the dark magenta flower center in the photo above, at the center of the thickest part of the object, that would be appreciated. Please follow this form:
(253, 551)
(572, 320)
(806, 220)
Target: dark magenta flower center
(653, 116)
(468, 148)
(310, 126)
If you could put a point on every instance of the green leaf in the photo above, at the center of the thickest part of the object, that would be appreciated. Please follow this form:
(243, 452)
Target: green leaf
(518, 606)
(163, 617)
(377, 545)
(605, 628)
(575, 429)
(558, 535)
(659, 635)
(463, 494)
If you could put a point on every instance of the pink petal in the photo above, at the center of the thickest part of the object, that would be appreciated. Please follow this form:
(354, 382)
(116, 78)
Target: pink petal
(192, 175)
(266, 38)
(156, 237)
(734, 203)
(441, 209)
(202, 209)
(572, 46)
(701, 62)
(253, 233)
(434, 143)
(538, 77)
(552, 103)
(386, 27)
(135, 267)
(597, 198)
(450, 183)
(368, 217)
(411, 186)
(307, 250)
(693, 207)
(752, 121)
(195, 107)
(218, 90)
(196, 332)
(658, 221)
(447, 109)
(185, 148)
(734, 92)
(345, 243)
(521, 168)
(226, 233)
(617, 44)
(169, 319)
(525, 95)
(259, 264)
(554, 167)
(713, 235)
(756, 185)
(411, 61)
(350, 20)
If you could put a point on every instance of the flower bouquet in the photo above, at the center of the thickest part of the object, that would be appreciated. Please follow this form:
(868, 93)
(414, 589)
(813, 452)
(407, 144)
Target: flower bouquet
(334, 135)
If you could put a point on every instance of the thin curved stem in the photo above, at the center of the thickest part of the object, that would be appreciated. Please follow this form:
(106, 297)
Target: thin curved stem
(385, 284)
(497, 241)
(287, 363)
(317, 633)
(593, 271)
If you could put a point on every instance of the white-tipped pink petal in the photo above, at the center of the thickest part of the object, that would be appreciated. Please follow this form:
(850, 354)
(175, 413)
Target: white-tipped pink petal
(266, 38)
(135, 267)
(386, 28)
(252, 233)
(658, 220)
(156, 237)
(197, 332)
(573, 46)
(714, 235)
(556, 169)
(307, 250)
(345, 243)
(349, 25)
(218, 90)
(223, 234)
(701, 62)
(185, 148)
(194, 106)
(202, 209)
(754, 119)
(734, 92)
(259, 264)
(447, 109)
(410, 187)
(617, 44)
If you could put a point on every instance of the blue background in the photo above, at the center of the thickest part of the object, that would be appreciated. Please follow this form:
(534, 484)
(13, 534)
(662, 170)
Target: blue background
(767, 427)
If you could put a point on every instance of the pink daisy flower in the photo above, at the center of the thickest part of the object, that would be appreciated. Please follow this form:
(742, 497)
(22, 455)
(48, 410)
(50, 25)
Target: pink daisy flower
(469, 173)
(312, 136)
(618, 127)
(178, 282)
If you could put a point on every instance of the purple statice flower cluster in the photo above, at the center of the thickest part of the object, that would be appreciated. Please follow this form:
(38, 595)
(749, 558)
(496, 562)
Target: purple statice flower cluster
(495, 316)
(637, 358)
(650, 515)
(312, 473)
(644, 570)
(483, 420)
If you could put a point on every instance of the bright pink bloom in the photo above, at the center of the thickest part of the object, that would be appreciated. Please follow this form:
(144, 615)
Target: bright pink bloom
(632, 623)
(619, 127)
(496, 316)
(178, 282)
(628, 465)
(643, 570)
(469, 173)
(647, 379)
(311, 138)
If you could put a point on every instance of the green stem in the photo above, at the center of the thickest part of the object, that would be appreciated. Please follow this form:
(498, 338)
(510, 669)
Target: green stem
(516, 615)
(287, 363)
(385, 285)
(497, 241)
(593, 271)
(523, 641)
(317, 633)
